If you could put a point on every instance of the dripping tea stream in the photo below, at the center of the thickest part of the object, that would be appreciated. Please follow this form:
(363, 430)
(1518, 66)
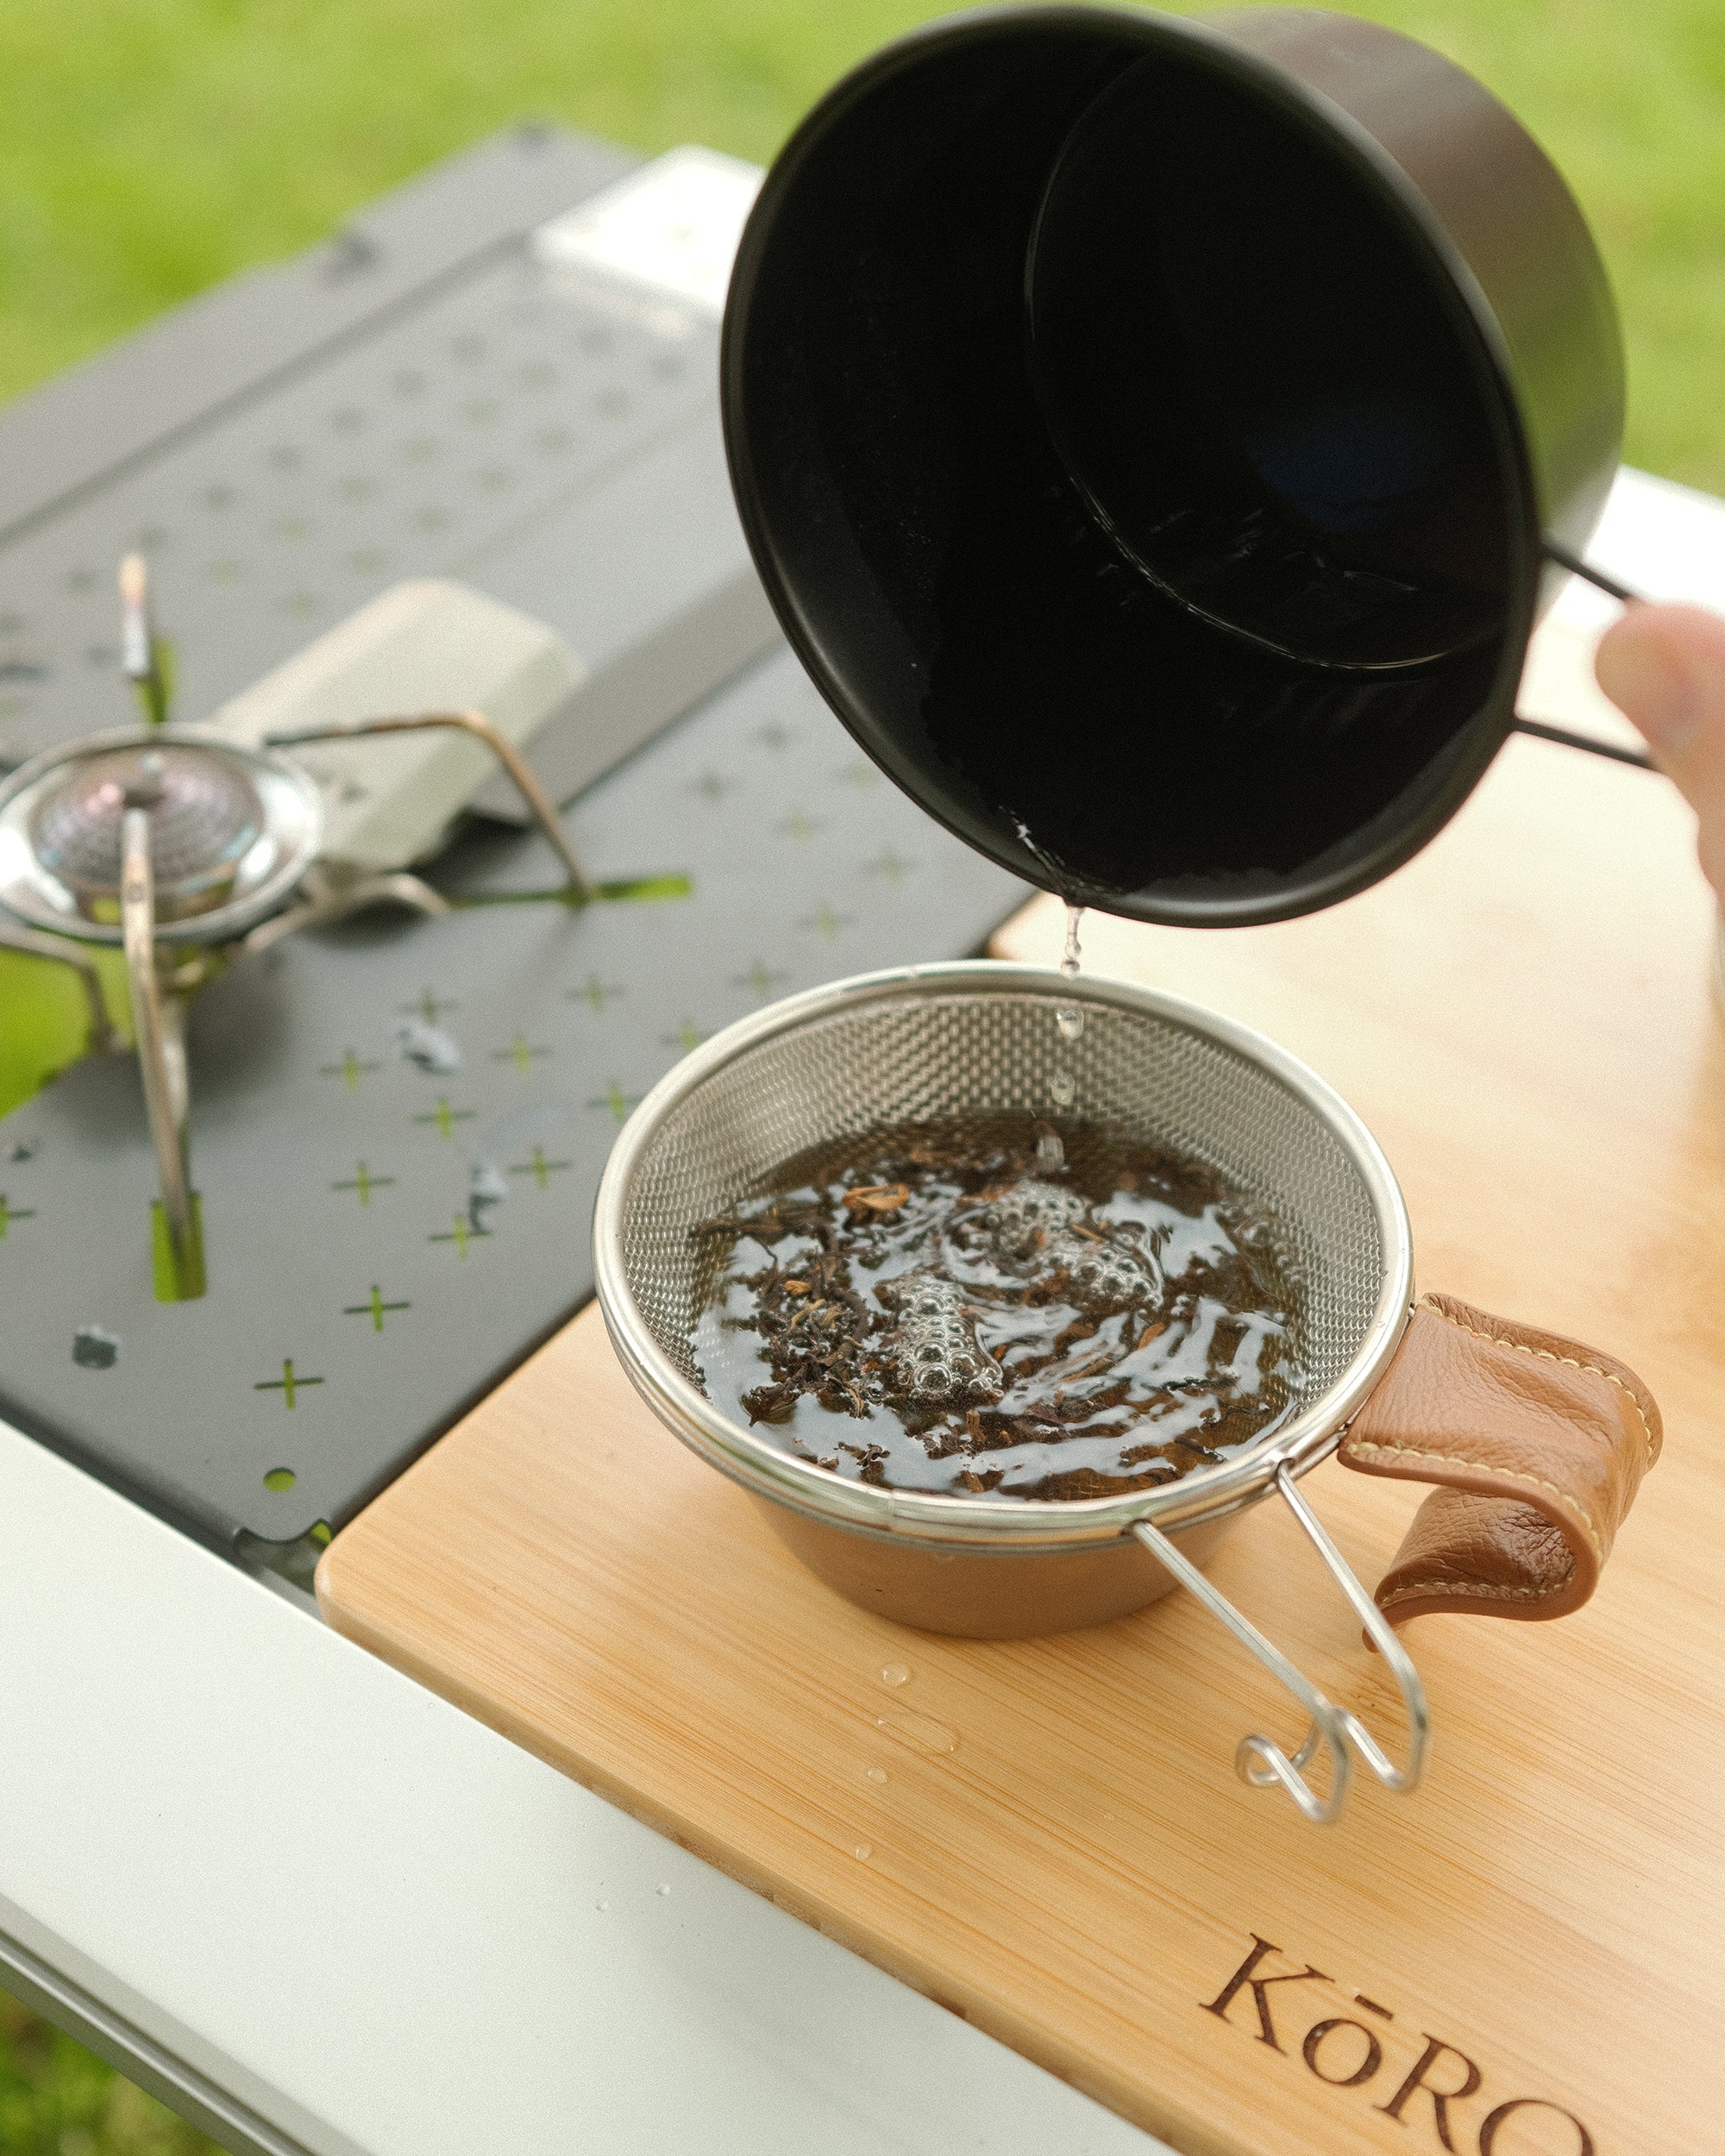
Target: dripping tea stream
(1068, 1024)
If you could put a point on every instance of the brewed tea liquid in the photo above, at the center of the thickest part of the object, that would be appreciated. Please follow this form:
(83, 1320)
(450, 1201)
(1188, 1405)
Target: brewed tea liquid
(929, 1308)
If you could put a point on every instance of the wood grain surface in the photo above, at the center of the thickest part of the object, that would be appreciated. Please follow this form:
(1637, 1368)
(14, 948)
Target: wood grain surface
(1047, 1835)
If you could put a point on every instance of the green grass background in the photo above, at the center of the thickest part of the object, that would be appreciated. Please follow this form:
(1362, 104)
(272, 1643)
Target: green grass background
(57, 2100)
(148, 147)
(153, 146)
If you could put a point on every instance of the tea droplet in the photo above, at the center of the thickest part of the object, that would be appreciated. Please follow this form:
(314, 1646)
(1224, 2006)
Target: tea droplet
(1051, 1154)
(1069, 956)
(875, 1774)
(865, 1849)
(1068, 1023)
(895, 1673)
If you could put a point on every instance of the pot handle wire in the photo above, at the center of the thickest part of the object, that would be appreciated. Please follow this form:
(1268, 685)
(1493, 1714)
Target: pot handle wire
(1566, 737)
(1260, 1759)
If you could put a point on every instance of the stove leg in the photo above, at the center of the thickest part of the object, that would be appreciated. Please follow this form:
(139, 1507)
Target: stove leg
(159, 1023)
(476, 723)
(327, 898)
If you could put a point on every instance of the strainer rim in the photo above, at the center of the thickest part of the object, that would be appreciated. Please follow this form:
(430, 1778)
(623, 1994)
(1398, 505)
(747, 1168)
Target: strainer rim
(1205, 1494)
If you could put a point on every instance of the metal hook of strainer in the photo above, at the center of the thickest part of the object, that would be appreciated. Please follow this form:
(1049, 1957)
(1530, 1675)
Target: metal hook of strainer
(1260, 1759)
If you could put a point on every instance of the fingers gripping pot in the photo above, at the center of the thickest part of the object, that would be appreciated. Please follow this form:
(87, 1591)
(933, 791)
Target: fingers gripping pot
(1540, 1445)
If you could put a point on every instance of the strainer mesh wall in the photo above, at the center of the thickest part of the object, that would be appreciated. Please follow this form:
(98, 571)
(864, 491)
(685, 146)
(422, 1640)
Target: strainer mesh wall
(918, 1056)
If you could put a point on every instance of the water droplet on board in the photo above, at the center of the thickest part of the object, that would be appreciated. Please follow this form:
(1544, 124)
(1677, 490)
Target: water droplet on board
(601, 1907)
(865, 1849)
(663, 1890)
(895, 1673)
(874, 1774)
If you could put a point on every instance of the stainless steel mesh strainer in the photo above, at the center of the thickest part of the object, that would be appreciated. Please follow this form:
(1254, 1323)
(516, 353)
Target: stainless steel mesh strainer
(935, 1041)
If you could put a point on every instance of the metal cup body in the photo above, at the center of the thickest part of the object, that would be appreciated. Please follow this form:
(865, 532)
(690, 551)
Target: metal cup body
(985, 1593)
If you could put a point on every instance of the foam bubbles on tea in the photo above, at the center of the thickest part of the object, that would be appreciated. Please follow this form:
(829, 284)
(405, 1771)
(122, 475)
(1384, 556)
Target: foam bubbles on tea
(933, 1348)
(930, 1307)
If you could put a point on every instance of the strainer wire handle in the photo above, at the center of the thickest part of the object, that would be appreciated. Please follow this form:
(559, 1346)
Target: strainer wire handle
(1382, 1635)
(1260, 1759)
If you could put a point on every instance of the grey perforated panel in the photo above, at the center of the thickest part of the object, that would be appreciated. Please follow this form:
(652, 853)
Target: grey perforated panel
(391, 1221)
(386, 1237)
(552, 439)
(471, 421)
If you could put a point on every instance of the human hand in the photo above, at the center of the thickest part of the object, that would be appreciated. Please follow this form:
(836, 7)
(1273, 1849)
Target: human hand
(1664, 667)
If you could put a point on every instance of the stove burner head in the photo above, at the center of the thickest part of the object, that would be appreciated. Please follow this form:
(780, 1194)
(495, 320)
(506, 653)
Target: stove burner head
(205, 817)
(233, 831)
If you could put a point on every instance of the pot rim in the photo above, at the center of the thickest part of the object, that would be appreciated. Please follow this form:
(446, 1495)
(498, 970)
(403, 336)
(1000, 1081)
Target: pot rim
(971, 1523)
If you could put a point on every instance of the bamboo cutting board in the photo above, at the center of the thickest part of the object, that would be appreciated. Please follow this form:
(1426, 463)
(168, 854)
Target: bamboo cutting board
(1525, 1958)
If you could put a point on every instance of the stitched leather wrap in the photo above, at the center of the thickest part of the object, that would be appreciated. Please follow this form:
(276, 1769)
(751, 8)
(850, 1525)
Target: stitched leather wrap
(1539, 1445)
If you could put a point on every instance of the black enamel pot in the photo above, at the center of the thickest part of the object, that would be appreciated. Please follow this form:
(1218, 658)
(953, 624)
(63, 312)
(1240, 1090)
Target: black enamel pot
(1158, 439)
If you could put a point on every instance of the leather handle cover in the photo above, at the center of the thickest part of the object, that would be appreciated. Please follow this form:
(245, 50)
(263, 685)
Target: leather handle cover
(1539, 1445)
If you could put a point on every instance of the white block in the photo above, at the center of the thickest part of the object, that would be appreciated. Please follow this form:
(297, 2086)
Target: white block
(427, 646)
(672, 227)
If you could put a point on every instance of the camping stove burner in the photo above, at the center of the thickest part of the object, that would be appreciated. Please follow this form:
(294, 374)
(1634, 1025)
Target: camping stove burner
(205, 817)
(232, 833)
(151, 837)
